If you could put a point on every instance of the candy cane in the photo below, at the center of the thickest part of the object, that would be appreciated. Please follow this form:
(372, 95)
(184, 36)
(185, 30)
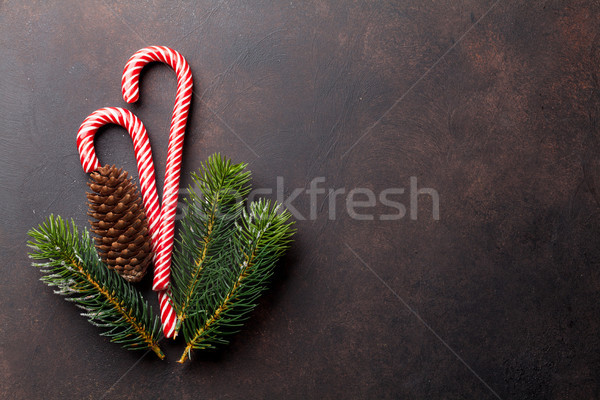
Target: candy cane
(145, 165)
(130, 86)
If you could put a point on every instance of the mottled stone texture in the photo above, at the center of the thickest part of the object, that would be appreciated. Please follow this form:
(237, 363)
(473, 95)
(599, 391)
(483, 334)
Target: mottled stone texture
(502, 119)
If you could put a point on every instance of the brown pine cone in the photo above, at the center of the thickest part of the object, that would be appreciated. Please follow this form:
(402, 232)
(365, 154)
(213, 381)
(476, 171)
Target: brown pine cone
(120, 223)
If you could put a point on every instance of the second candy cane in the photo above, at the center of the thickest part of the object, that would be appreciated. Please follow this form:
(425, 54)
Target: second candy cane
(145, 164)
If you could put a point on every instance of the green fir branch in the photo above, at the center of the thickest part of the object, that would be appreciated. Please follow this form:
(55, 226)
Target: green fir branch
(215, 203)
(233, 285)
(73, 267)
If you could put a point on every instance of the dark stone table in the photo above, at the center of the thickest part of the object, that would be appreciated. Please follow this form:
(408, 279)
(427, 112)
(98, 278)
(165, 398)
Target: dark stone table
(484, 111)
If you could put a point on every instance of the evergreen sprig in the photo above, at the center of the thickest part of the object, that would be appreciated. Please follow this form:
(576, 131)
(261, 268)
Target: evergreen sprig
(216, 199)
(230, 288)
(73, 267)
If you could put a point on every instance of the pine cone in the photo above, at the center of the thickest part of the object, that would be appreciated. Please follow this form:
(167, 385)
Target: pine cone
(120, 223)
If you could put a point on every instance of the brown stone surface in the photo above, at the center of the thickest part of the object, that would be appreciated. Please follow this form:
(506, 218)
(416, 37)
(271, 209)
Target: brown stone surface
(501, 295)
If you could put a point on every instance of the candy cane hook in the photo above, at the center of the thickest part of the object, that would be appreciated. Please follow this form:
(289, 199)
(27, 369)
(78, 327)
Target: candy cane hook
(143, 156)
(130, 86)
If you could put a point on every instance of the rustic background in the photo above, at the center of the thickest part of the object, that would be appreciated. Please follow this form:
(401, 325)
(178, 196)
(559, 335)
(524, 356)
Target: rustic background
(495, 104)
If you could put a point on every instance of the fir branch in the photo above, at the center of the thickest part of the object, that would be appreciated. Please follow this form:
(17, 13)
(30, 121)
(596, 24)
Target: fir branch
(235, 284)
(108, 301)
(206, 229)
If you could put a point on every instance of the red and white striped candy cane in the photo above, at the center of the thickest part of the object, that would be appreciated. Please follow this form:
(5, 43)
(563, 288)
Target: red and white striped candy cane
(145, 165)
(130, 86)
